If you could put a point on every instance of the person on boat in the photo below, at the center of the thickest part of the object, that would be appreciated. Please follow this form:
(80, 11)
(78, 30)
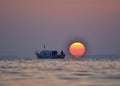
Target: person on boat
(62, 53)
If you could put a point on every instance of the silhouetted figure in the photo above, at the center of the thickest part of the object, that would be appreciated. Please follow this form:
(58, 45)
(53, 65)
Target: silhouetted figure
(62, 53)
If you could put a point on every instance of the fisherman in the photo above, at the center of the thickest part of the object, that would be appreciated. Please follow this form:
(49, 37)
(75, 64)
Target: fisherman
(62, 53)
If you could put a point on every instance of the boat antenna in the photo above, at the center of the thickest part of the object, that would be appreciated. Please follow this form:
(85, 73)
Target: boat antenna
(44, 46)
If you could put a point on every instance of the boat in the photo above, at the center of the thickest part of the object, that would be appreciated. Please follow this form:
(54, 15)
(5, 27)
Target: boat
(49, 54)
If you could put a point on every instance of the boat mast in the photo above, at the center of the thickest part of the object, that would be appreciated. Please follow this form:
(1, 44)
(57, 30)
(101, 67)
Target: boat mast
(44, 46)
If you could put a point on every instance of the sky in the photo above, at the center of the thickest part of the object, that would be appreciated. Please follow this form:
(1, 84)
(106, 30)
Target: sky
(25, 25)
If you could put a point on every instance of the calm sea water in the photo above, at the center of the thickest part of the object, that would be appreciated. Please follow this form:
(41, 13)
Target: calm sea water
(59, 73)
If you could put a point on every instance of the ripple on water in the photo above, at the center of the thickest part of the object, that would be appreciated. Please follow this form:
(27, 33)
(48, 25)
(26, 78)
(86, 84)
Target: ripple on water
(68, 78)
(112, 77)
(82, 74)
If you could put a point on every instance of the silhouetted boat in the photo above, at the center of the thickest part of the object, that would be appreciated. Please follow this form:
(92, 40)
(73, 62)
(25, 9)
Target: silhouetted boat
(49, 54)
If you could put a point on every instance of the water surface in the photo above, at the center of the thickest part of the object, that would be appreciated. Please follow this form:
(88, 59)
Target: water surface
(59, 73)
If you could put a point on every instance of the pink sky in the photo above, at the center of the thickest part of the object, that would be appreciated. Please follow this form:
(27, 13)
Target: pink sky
(26, 24)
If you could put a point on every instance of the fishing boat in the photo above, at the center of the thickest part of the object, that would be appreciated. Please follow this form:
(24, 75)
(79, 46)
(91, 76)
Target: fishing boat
(49, 54)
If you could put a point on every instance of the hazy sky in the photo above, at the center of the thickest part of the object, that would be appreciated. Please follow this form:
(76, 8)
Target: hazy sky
(26, 24)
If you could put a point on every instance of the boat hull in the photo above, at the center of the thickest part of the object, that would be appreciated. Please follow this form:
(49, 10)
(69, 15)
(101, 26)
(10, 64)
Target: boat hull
(51, 57)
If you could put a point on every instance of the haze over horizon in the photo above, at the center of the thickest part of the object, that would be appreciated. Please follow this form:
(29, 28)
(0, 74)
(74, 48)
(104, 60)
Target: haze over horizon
(25, 25)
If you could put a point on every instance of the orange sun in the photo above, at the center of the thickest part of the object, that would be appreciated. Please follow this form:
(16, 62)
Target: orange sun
(77, 49)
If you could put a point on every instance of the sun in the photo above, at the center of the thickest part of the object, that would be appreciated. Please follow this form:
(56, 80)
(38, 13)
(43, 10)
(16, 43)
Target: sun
(77, 49)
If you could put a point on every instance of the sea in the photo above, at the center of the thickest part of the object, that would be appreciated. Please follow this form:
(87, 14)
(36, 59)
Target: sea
(59, 72)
